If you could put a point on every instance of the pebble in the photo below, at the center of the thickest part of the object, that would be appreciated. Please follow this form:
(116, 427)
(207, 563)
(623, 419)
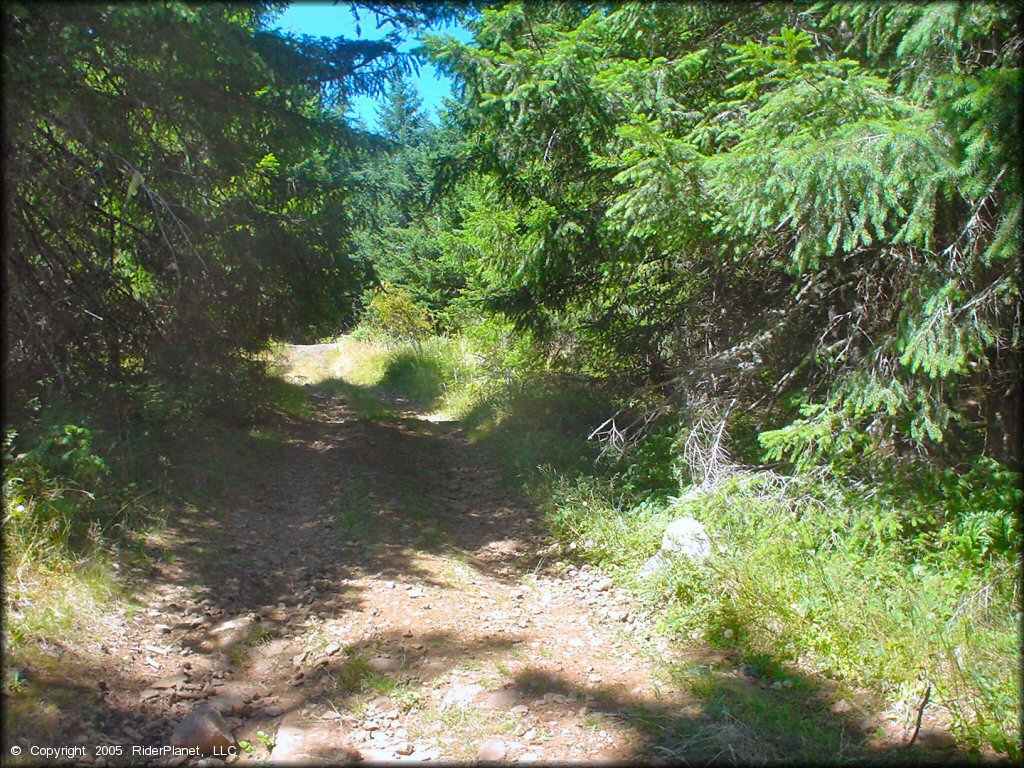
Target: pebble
(203, 728)
(938, 738)
(491, 751)
(840, 707)
(870, 723)
(173, 681)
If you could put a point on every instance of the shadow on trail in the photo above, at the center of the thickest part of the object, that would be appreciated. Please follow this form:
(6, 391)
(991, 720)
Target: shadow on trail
(276, 526)
(285, 524)
(289, 522)
(730, 721)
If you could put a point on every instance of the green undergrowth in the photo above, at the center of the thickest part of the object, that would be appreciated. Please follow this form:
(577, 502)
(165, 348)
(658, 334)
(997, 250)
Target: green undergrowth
(92, 484)
(371, 374)
(824, 577)
(75, 510)
(534, 426)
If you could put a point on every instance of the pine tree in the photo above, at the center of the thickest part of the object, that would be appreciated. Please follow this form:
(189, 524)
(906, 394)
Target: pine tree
(174, 187)
(817, 206)
(402, 222)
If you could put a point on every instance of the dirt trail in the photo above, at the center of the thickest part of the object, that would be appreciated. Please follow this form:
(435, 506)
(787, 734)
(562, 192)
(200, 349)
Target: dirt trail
(374, 587)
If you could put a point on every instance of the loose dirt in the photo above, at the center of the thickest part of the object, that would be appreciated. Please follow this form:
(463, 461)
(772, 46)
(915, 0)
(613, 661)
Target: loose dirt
(375, 590)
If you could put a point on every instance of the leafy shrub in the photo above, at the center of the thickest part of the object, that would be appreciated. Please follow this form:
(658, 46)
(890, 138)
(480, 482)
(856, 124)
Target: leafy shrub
(50, 489)
(63, 453)
(654, 467)
(983, 512)
(393, 312)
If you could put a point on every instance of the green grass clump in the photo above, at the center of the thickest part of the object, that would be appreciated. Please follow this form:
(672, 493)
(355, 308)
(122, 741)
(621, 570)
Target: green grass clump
(367, 369)
(805, 573)
(355, 675)
(537, 423)
(288, 398)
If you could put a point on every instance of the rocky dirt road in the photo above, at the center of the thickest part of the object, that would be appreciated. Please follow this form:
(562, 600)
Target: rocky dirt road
(373, 590)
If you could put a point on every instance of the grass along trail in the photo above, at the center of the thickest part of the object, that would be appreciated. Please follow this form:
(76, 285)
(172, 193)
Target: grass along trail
(370, 588)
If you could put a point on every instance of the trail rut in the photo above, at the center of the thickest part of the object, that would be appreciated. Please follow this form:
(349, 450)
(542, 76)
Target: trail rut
(376, 586)
(375, 590)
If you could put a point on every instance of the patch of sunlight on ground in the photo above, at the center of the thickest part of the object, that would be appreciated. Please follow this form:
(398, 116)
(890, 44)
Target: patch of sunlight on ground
(356, 362)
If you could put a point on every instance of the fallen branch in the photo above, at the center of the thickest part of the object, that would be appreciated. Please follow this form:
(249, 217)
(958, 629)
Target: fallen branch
(920, 714)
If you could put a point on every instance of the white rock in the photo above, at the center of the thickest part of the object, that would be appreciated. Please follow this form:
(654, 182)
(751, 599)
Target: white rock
(684, 537)
(461, 695)
(688, 537)
(303, 742)
(840, 707)
(491, 751)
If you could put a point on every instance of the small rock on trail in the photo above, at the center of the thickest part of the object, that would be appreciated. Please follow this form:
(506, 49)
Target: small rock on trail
(302, 742)
(499, 699)
(461, 695)
(491, 751)
(203, 728)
